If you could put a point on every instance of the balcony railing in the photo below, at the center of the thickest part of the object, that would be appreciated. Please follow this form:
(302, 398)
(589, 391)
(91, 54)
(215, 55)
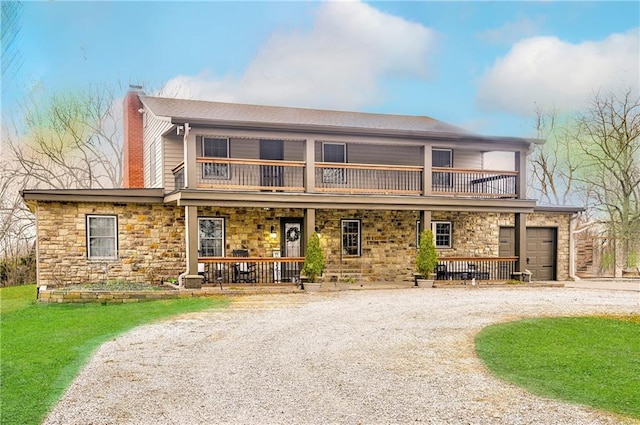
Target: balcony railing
(368, 178)
(475, 183)
(250, 270)
(330, 177)
(250, 174)
(480, 268)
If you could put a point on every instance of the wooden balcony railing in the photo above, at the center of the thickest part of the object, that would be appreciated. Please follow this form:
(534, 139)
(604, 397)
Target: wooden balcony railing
(476, 183)
(250, 270)
(480, 268)
(250, 174)
(288, 176)
(368, 178)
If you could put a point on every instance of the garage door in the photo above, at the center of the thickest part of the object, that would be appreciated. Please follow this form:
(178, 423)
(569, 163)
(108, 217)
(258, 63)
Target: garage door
(541, 250)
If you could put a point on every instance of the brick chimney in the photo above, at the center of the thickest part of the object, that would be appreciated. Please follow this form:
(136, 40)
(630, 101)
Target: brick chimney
(132, 161)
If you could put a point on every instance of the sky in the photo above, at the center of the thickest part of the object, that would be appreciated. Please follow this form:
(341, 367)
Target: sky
(483, 66)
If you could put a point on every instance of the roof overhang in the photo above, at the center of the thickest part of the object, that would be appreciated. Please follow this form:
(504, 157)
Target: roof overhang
(136, 196)
(340, 201)
(558, 209)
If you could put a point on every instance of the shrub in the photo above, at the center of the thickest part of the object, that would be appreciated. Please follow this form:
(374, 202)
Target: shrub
(427, 258)
(313, 259)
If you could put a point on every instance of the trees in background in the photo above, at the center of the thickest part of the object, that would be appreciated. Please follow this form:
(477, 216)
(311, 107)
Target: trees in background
(59, 141)
(592, 159)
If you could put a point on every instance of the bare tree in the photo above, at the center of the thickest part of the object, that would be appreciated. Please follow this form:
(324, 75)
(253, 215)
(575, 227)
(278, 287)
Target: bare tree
(68, 140)
(63, 141)
(609, 140)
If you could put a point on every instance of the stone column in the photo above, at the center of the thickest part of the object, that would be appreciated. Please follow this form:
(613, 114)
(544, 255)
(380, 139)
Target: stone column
(191, 280)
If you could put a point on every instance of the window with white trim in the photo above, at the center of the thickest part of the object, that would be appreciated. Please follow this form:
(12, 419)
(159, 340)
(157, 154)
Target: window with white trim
(442, 158)
(441, 233)
(215, 148)
(211, 237)
(350, 237)
(102, 237)
(334, 152)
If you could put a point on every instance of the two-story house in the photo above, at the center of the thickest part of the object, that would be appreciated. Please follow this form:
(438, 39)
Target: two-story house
(208, 182)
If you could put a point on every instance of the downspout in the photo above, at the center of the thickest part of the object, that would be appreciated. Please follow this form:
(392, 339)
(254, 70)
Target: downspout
(187, 183)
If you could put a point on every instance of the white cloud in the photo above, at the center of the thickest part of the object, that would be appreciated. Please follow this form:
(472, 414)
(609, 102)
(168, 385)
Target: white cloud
(337, 64)
(511, 31)
(549, 72)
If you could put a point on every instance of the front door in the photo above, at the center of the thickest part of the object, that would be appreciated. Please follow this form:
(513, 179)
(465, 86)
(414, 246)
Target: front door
(272, 175)
(291, 246)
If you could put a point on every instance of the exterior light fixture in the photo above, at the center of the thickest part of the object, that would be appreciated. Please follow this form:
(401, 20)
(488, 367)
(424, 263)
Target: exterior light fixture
(318, 232)
(273, 232)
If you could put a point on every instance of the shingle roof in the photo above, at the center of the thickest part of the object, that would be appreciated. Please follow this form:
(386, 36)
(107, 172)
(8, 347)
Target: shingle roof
(181, 110)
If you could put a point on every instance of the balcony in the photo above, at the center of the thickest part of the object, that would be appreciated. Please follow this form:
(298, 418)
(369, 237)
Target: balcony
(331, 177)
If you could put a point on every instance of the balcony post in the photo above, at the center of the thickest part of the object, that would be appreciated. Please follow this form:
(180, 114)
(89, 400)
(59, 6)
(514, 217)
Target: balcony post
(427, 162)
(310, 167)
(190, 153)
(309, 225)
(191, 279)
(425, 220)
(521, 240)
(521, 180)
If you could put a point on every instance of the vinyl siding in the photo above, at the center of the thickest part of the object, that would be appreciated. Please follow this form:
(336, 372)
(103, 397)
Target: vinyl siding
(173, 155)
(153, 129)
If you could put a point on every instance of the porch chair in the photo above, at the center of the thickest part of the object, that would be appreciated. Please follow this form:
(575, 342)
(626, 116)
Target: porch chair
(244, 271)
(441, 272)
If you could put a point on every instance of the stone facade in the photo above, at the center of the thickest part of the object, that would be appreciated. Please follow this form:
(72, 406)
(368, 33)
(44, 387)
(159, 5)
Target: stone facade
(151, 242)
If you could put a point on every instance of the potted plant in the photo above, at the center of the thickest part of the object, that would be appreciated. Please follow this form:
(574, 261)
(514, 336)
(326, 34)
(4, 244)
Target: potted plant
(313, 263)
(426, 260)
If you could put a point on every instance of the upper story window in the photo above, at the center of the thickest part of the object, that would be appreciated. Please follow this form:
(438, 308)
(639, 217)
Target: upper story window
(350, 237)
(334, 152)
(215, 148)
(102, 237)
(211, 237)
(442, 158)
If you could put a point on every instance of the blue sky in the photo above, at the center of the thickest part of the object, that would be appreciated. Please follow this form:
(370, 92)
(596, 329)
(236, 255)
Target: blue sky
(480, 65)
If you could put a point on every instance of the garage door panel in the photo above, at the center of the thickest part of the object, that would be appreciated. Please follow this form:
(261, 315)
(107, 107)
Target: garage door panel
(541, 250)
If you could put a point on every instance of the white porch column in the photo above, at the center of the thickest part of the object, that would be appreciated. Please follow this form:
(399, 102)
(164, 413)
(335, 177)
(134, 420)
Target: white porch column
(309, 225)
(190, 153)
(191, 279)
(427, 162)
(425, 220)
(310, 166)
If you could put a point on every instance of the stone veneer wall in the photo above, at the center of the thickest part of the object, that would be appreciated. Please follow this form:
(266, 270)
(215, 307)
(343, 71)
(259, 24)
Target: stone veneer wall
(151, 240)
(150, 243)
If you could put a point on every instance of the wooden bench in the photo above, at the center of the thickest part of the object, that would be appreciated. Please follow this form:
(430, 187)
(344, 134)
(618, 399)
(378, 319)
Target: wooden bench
(524, 276)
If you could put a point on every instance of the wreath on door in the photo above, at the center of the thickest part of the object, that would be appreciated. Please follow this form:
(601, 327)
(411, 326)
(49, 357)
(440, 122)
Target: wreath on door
(293, 234)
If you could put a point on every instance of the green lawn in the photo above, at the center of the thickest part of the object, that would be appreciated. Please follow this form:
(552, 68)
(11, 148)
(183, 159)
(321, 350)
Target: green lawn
(593, 361)
(44, 346)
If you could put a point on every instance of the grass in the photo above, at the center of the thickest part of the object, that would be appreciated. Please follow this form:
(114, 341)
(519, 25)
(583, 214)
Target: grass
(594, 361)
(44, 346)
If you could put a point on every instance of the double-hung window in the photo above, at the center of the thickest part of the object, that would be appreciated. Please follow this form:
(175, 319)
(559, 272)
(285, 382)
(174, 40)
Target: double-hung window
(441, 233)
(211, 237)
(334, 152)
(215, 148)
(350, 237)
(102, 237)
(442, 158)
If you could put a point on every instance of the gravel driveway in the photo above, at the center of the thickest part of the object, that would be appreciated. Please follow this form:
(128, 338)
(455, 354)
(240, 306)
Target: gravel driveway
(355, 357)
